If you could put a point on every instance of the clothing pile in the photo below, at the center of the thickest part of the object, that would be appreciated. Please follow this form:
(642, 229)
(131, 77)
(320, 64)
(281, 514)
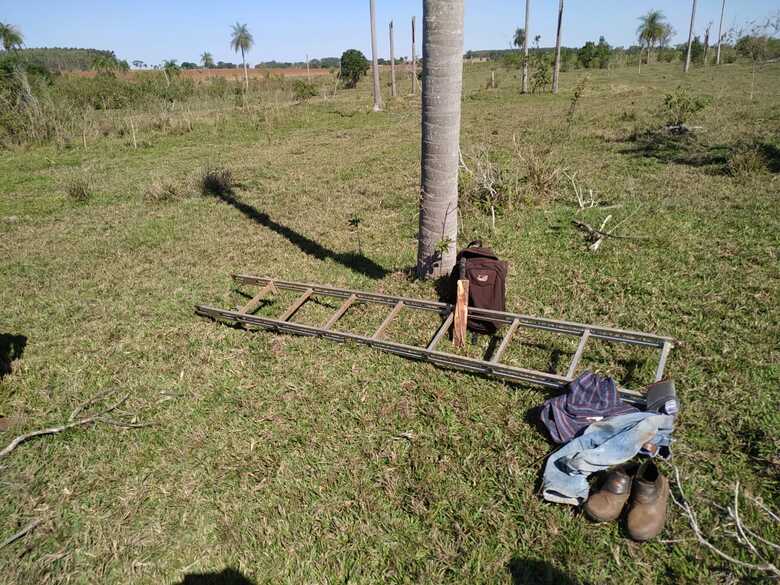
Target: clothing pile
(600, 432)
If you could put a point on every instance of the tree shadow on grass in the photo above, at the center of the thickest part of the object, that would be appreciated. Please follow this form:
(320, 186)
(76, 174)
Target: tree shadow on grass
(224, 577)
(771, 155)
(682, 149)
(537, 572)
(11, 349)
(354, 261)
(687, 149)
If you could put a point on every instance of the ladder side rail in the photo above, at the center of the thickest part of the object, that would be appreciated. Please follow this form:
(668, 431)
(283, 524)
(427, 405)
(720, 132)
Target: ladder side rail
(498, 317)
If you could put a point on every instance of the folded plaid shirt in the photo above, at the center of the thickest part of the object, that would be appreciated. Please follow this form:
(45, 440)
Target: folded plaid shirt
(590, 399)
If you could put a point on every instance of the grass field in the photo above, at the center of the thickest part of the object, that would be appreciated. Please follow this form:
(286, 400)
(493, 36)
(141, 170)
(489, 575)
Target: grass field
(272, 458)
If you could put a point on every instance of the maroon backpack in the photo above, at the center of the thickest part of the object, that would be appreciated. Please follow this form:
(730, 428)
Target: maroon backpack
(487, 282)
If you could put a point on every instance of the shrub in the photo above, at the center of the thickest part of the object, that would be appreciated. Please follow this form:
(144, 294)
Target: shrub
(216, 181)
(681, 106)
(303, 90)
(78, 188)
(353, 66)
(541, 171)
(540, 79)
(579, 90)
(497, 181)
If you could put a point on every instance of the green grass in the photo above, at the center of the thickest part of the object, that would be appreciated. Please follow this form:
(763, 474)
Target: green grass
(300, 460)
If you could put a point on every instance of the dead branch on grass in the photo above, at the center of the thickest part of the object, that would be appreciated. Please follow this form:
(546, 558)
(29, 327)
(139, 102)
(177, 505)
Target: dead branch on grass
(17, 535)
(99, 417)
(597, 236)
(578, 192)
(763, 566)
(599, 232)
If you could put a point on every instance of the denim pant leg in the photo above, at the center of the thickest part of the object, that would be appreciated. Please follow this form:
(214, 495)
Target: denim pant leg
(603, 445)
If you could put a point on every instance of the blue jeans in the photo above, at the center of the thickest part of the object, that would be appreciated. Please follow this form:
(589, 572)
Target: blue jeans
(603, 444)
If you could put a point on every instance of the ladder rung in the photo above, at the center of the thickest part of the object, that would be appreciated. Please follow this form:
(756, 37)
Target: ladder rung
(296, 305)
(381, 331)
(254, 302)
(505, 342)
(659, 372)
(578, 354)
(340, 312)
(441, 332)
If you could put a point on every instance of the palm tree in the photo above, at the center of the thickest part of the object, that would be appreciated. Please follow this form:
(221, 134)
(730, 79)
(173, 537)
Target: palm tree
(557, 66)
(170, 69)
(441, 97)
(10, 36)
(651, 30)
(241, 40)
(519, 38)
(720, 31)
(374, 59)
(690, 39)
(525, 45)
(105, 64)
(207, 60)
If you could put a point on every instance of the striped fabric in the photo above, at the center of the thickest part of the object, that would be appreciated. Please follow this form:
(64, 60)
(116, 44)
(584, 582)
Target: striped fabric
(590, 399)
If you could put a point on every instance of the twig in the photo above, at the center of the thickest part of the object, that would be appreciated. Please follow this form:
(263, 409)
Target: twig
(53, 430)
(14, 537)
(578, 193)
(742, 531)
(597, 244)
(117, 423)
(462, 162)
(763, 507)
(625, 219)
(734, 513)
(694, 523)
(584, 226)
(93, 400)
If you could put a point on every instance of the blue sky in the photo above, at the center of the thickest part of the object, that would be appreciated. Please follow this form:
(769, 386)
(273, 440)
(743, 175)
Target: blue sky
(286, 31)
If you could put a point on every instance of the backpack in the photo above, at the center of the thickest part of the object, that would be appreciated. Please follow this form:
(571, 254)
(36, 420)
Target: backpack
(487, 282)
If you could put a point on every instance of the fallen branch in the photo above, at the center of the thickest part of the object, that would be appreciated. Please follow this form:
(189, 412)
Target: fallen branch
(578, 193)
(14, 537)
(597, 244)
(69, 425)
(683, 504)
(594, 232)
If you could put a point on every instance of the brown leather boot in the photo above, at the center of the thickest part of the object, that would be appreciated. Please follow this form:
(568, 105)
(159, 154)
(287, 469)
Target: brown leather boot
(607, 503)
(647, 512)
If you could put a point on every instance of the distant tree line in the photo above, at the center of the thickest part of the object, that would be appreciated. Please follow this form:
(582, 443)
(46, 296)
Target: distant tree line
(600, 55)
(324, 63)
(64, 59)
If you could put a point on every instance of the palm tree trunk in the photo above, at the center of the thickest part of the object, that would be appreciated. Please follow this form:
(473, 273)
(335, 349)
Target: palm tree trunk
(374, 61)
(690, 39)
(557, 66)
(720, 32)
(525, 46)
(246, 74)
(441, 98)
(392, 62)
(414, 61)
